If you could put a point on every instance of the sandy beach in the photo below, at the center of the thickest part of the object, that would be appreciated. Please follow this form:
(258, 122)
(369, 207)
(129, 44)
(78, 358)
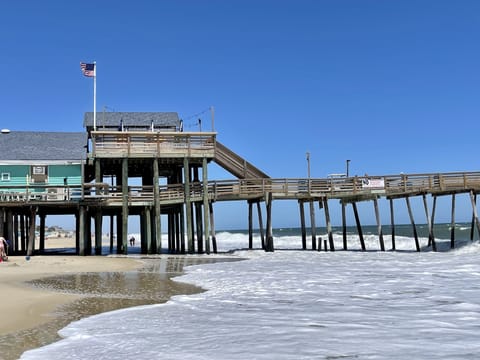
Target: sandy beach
(32, 314)
(25, 306)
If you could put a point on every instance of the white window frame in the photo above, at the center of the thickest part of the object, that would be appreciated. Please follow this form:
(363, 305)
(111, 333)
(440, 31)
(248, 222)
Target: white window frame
(5, 176)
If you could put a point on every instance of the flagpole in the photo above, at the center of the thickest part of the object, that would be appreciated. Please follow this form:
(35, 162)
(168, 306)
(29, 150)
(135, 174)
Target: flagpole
(94, 96)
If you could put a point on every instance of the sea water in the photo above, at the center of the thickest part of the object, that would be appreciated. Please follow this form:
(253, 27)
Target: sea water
(295, 304)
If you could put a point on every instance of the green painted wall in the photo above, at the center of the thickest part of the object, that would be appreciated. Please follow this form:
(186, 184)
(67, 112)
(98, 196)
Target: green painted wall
(56, 175)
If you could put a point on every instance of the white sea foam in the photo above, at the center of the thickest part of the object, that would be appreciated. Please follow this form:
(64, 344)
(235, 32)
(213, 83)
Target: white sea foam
(299, 305)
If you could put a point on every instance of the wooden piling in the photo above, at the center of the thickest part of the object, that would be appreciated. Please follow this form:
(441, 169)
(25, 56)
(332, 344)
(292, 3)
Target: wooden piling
(431, 238)
(452, 224)
(98, 232)
(188, 208)
(111, 233)
(156, 240)
(379, 225)
(359, 226)
(472, 227)
(212, 228)
(328, 223)
(250, 225)
(313, 227)
(125, 205)
(474, 208)
(260, 224)
(302, 224)
(344, 226)
(31, 231)
(417, 244)
(269, 247)
(42, 232)
(206, 213)
(392, 224)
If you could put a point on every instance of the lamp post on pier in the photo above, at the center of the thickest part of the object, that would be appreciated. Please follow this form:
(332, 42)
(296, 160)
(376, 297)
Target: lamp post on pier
(308, 164)
(348, 164)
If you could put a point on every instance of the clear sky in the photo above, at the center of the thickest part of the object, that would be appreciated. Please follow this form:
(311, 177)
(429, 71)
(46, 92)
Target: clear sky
(391, 85)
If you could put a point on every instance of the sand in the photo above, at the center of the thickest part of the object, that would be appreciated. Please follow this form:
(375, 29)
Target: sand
(37, 301)
(24, 306)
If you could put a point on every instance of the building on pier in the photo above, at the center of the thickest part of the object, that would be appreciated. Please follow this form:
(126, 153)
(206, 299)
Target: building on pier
(143, 164)
(127, 163)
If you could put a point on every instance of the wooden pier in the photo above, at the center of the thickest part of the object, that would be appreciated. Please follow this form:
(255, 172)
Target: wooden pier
(172, 168)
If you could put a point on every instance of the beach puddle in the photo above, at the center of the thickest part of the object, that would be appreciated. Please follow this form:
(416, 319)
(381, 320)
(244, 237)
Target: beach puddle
(102, 292)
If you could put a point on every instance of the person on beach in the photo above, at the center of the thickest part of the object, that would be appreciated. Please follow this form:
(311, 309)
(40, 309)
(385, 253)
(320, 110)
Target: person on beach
(132, 241)
(3, 246)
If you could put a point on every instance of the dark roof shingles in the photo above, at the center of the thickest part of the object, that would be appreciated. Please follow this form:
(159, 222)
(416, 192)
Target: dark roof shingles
(113, 119)
(30, 145)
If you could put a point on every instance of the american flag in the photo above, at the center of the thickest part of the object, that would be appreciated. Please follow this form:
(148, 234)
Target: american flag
(88, 69)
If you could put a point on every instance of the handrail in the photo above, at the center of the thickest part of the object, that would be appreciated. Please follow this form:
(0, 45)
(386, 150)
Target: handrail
(294, 188)
(152, 143)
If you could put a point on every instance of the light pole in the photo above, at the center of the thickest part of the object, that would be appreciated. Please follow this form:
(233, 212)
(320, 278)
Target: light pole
(348, 163)
(308, 164)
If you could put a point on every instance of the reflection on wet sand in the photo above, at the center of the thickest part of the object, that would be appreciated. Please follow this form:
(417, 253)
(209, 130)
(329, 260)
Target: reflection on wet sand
(102, 292)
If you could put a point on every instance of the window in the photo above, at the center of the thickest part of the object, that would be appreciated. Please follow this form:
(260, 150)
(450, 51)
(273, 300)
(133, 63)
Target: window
(39, 173)
(5, 176)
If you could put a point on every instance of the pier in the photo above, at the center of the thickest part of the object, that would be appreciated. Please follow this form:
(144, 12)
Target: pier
(88, 175)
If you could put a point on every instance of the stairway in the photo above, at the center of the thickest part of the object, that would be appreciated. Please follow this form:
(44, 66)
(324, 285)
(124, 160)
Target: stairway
(235, 164)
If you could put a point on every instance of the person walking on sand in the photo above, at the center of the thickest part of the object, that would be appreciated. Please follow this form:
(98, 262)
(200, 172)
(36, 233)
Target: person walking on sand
(3, 245)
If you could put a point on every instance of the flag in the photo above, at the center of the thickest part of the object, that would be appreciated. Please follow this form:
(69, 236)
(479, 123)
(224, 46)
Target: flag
(88, 69)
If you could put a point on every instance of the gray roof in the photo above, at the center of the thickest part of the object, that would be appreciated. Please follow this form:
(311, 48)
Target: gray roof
(34, 145)
(129, 119)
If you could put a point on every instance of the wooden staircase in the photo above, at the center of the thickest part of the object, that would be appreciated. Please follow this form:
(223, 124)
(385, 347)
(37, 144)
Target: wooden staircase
(235, 164)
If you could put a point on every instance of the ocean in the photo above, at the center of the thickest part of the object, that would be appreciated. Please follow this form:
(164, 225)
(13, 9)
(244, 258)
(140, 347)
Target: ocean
(295, 304)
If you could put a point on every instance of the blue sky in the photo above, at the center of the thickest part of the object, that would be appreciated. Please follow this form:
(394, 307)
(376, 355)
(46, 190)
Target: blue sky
(391, 85)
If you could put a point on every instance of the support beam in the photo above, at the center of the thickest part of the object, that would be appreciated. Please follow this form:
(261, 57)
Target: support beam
(412, 220)
(186, 176)
(379, 225)
(112, 235)
(329, 225)
(147, 220)
(155, 245)
(250, 225)
(98, 232)
(205, 206)
(431, 238)
(260, 224)
(344, 226)
(269, 247)
(42, 232)
(359, 225)
(472, 228)
(475, 212)
(81, 231)
(212, 228)
(302, 224)
(125, 206)
(313, 227)
(31, 231)
(452, 224)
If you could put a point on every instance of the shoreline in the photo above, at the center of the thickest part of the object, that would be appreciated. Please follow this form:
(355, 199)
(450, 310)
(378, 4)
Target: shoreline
(38, 300)
(27, 306)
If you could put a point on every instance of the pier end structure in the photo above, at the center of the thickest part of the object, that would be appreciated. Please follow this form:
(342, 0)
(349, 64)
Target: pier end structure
(130, 157)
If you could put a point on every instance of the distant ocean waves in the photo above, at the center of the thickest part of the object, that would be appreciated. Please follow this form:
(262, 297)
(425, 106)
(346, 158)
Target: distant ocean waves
(291, 238)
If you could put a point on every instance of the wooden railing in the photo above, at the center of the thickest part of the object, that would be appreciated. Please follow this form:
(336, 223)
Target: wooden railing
(298, 188)
(293, 188)
(146, 144)
(235, 164)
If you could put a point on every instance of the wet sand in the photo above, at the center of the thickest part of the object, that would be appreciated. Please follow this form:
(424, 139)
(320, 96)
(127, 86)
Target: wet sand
(46, 293)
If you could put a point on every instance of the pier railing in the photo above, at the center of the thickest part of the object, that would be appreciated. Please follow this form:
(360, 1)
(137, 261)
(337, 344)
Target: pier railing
(244, 189)
(302, 188)
(149, 144)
